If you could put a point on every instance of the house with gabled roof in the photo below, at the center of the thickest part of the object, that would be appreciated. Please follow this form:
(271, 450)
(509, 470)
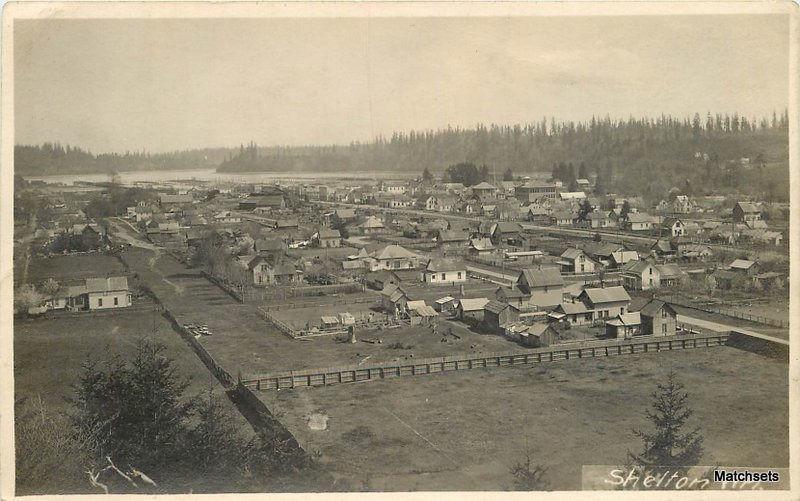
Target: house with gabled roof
(328, 238)
(541, 287)
(394, 299)
(670, 274)
(638, 221)
(673, 227)
(746, 212)
(371, 226)
(743, 266)
(658, 319)
(471, 308)
(624, 325)
(497, 314)
(606, 301)
(484, 190)
(453, 239)
(392, 257)
(562, 218)
(99, 294)
(641, 275)
(506, 232)
(444, 272)
(574, 260)
(572, 312)
(270, 248)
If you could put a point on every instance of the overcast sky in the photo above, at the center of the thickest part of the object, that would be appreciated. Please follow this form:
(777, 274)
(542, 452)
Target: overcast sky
(115, 85)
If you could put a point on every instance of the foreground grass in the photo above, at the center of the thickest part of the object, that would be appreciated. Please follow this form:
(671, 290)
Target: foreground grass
(465, 430)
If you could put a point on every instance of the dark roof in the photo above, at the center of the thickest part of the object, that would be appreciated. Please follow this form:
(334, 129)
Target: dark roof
(495, 306)
(652, 308)
(749, 207)
(453, 236)
(606, 249)
(508, 227)
(509, 293)
(635, 266)
(668, 271)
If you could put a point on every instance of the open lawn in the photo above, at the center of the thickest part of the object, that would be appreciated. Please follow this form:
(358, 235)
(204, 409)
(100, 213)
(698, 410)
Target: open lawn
(73, 269)
(48, 353)
(465, 430)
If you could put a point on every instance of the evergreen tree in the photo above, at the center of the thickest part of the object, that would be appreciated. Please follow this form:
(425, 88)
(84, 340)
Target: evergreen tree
(508, 175)
(427, 177)
(134, 410)
(584, 209)
(625, 210)
(583, 171)
(668, 445)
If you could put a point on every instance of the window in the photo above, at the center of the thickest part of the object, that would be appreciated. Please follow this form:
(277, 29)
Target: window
(651, 270)
(663, 328)
(99, 301)
(116, 301)
(663, 313)
(459, 275)
(443, 276)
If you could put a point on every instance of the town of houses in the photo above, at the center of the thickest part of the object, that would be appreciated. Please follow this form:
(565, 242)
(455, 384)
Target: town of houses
(526, 259)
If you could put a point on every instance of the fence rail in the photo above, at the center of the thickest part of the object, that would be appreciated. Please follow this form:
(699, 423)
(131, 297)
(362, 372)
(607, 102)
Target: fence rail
(774, 322)
(382, 323)
(587, 349)
(314, 304)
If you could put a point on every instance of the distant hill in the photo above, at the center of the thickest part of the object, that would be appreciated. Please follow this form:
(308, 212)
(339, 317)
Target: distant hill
(646, 156)
(57, 159)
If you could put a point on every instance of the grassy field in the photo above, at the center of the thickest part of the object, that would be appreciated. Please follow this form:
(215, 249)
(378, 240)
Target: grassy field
(73, 268)
(48, 353)
(244, 343)
(464, 431)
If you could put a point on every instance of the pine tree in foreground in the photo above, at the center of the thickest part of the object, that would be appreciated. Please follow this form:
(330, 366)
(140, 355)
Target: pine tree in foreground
(668, 445)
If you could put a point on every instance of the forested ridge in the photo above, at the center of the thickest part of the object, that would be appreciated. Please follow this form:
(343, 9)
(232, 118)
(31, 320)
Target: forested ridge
(647, 154)
(57, 159)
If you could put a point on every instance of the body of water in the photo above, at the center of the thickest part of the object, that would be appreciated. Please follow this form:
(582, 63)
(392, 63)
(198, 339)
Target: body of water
(156, 176)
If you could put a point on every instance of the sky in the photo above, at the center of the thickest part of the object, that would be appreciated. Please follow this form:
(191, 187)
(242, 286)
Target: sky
(167, 84)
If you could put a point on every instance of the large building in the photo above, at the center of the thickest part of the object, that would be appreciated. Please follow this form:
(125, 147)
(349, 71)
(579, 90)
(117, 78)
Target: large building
(535, 190)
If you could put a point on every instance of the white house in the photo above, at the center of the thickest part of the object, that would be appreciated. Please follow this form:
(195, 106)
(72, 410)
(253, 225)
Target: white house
(444, 271)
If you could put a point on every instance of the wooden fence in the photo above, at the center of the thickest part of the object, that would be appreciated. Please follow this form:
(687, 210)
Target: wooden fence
(315, 304)
(709, 308)
(387, 370)
(382, 322)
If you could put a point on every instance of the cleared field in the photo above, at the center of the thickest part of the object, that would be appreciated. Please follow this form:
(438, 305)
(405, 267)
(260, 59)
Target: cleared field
(244, 343)
(48, 353)
(299, 317)
(464, 431)
(73, 268)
